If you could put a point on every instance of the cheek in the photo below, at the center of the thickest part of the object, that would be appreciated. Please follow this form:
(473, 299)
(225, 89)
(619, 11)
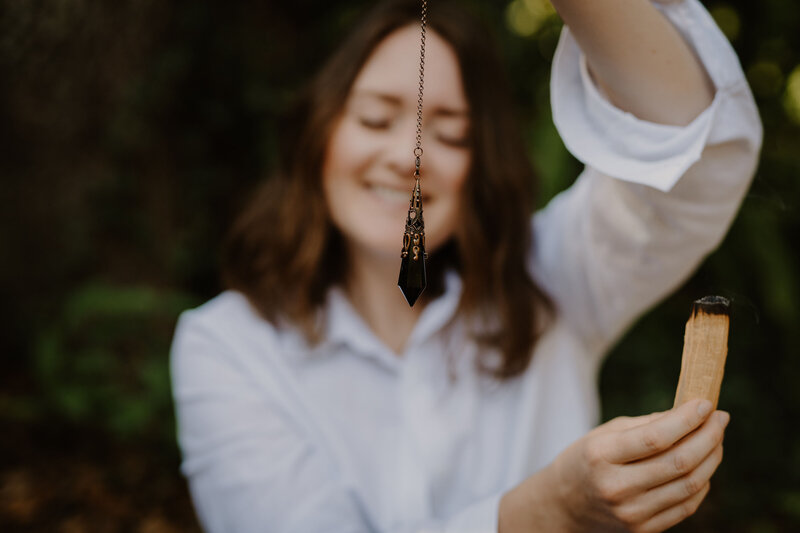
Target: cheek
(341, 163)
(456, 169)
(347, 153)
(450, 167)
(449, 190)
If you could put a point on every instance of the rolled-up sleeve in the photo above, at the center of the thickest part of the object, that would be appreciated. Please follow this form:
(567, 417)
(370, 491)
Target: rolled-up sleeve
(653, 199)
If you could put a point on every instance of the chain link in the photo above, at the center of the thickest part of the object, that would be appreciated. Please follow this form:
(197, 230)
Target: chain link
(418, 148)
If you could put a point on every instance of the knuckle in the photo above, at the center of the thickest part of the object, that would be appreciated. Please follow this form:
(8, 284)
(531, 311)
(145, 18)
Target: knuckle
(690, 506)
(625, 521)
(650, 440)
(610, 491)
(692, 485)
(629, 517)
(690, 421)
(680, 464)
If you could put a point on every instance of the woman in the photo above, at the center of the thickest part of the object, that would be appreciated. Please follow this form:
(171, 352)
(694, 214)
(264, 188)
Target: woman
(310, 397)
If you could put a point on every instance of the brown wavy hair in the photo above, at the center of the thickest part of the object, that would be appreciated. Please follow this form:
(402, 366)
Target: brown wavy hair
(283, 251)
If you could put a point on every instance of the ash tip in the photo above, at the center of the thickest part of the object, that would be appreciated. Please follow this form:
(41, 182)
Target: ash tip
(712, 305)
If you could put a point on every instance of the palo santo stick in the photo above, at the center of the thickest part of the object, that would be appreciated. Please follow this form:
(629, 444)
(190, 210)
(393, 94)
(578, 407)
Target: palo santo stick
(705, 347)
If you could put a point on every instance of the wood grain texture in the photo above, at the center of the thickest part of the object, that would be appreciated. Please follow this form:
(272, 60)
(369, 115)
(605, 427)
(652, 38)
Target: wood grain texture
(705, 348)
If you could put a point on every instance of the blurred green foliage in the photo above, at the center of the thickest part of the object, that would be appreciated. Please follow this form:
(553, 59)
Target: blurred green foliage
(102, 361)
(134, 130)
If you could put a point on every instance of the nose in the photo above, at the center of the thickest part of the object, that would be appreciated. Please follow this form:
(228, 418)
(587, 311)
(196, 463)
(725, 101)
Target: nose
(399, 150)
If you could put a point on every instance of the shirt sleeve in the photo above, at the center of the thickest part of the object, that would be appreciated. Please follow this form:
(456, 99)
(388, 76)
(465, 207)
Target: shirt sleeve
(252, 461)
(653, 200)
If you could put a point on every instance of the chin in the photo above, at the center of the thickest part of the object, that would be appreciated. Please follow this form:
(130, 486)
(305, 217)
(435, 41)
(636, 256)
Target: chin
(385, 240)
(376, 246)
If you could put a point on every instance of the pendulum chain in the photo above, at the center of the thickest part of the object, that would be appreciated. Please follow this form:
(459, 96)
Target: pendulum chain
(412, 279)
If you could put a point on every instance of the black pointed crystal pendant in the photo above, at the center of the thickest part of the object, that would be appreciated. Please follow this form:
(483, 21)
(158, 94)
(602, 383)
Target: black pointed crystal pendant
(412, 265)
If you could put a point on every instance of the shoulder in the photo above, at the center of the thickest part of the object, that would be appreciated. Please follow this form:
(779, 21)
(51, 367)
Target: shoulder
(225, 306)
(226, 330)
(228, 315)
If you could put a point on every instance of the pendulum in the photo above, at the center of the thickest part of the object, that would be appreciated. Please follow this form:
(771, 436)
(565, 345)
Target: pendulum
(412, 264)
(412, 279)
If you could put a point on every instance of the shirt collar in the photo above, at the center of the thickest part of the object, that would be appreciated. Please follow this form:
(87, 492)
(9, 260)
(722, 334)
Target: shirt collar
(344, 326)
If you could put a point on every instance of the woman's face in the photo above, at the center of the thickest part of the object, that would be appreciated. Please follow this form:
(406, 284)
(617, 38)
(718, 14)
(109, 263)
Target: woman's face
(369, 163)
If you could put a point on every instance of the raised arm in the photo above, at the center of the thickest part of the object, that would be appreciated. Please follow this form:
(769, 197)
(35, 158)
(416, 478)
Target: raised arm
(639, 59)
(654, 199)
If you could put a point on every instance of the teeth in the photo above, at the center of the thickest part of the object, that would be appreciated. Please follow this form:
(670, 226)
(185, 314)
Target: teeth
(390, 194)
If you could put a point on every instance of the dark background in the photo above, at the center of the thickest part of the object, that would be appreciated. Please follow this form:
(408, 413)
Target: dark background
(132, 131)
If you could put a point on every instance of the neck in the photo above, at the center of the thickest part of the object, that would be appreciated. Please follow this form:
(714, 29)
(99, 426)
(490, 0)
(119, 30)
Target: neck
(372, 288)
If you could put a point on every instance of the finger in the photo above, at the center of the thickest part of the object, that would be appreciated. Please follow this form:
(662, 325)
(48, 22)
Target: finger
(675, 514)
(622, 423)
(650, 503)
(680, 459)
(659, 434)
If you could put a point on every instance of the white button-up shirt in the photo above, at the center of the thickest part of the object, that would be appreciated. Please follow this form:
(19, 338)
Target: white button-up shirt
(346, 436)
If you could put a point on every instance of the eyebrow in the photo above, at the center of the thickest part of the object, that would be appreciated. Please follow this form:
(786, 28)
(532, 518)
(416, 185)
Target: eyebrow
(397, 101)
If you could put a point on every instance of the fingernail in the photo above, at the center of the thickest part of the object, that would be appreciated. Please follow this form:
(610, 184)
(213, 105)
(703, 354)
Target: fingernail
(723, 418)
(704, 408)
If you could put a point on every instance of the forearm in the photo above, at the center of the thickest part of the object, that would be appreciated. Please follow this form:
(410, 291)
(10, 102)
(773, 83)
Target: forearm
(639, 59)
(530, 507)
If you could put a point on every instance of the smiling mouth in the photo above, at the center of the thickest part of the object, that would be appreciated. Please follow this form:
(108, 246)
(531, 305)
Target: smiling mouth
(390, 194)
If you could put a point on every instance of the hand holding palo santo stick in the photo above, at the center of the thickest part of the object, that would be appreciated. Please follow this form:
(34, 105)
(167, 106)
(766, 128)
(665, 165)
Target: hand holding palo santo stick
(705, 347)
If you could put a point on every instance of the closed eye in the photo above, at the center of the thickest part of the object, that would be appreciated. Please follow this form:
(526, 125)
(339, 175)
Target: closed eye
(452, 141)
(375, 124)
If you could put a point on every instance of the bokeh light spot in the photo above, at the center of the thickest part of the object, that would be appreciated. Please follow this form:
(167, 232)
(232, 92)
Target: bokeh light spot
(525, 17)
(791, 97)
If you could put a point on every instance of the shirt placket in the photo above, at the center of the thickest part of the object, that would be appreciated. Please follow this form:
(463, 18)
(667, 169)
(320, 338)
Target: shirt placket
(413, 488)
